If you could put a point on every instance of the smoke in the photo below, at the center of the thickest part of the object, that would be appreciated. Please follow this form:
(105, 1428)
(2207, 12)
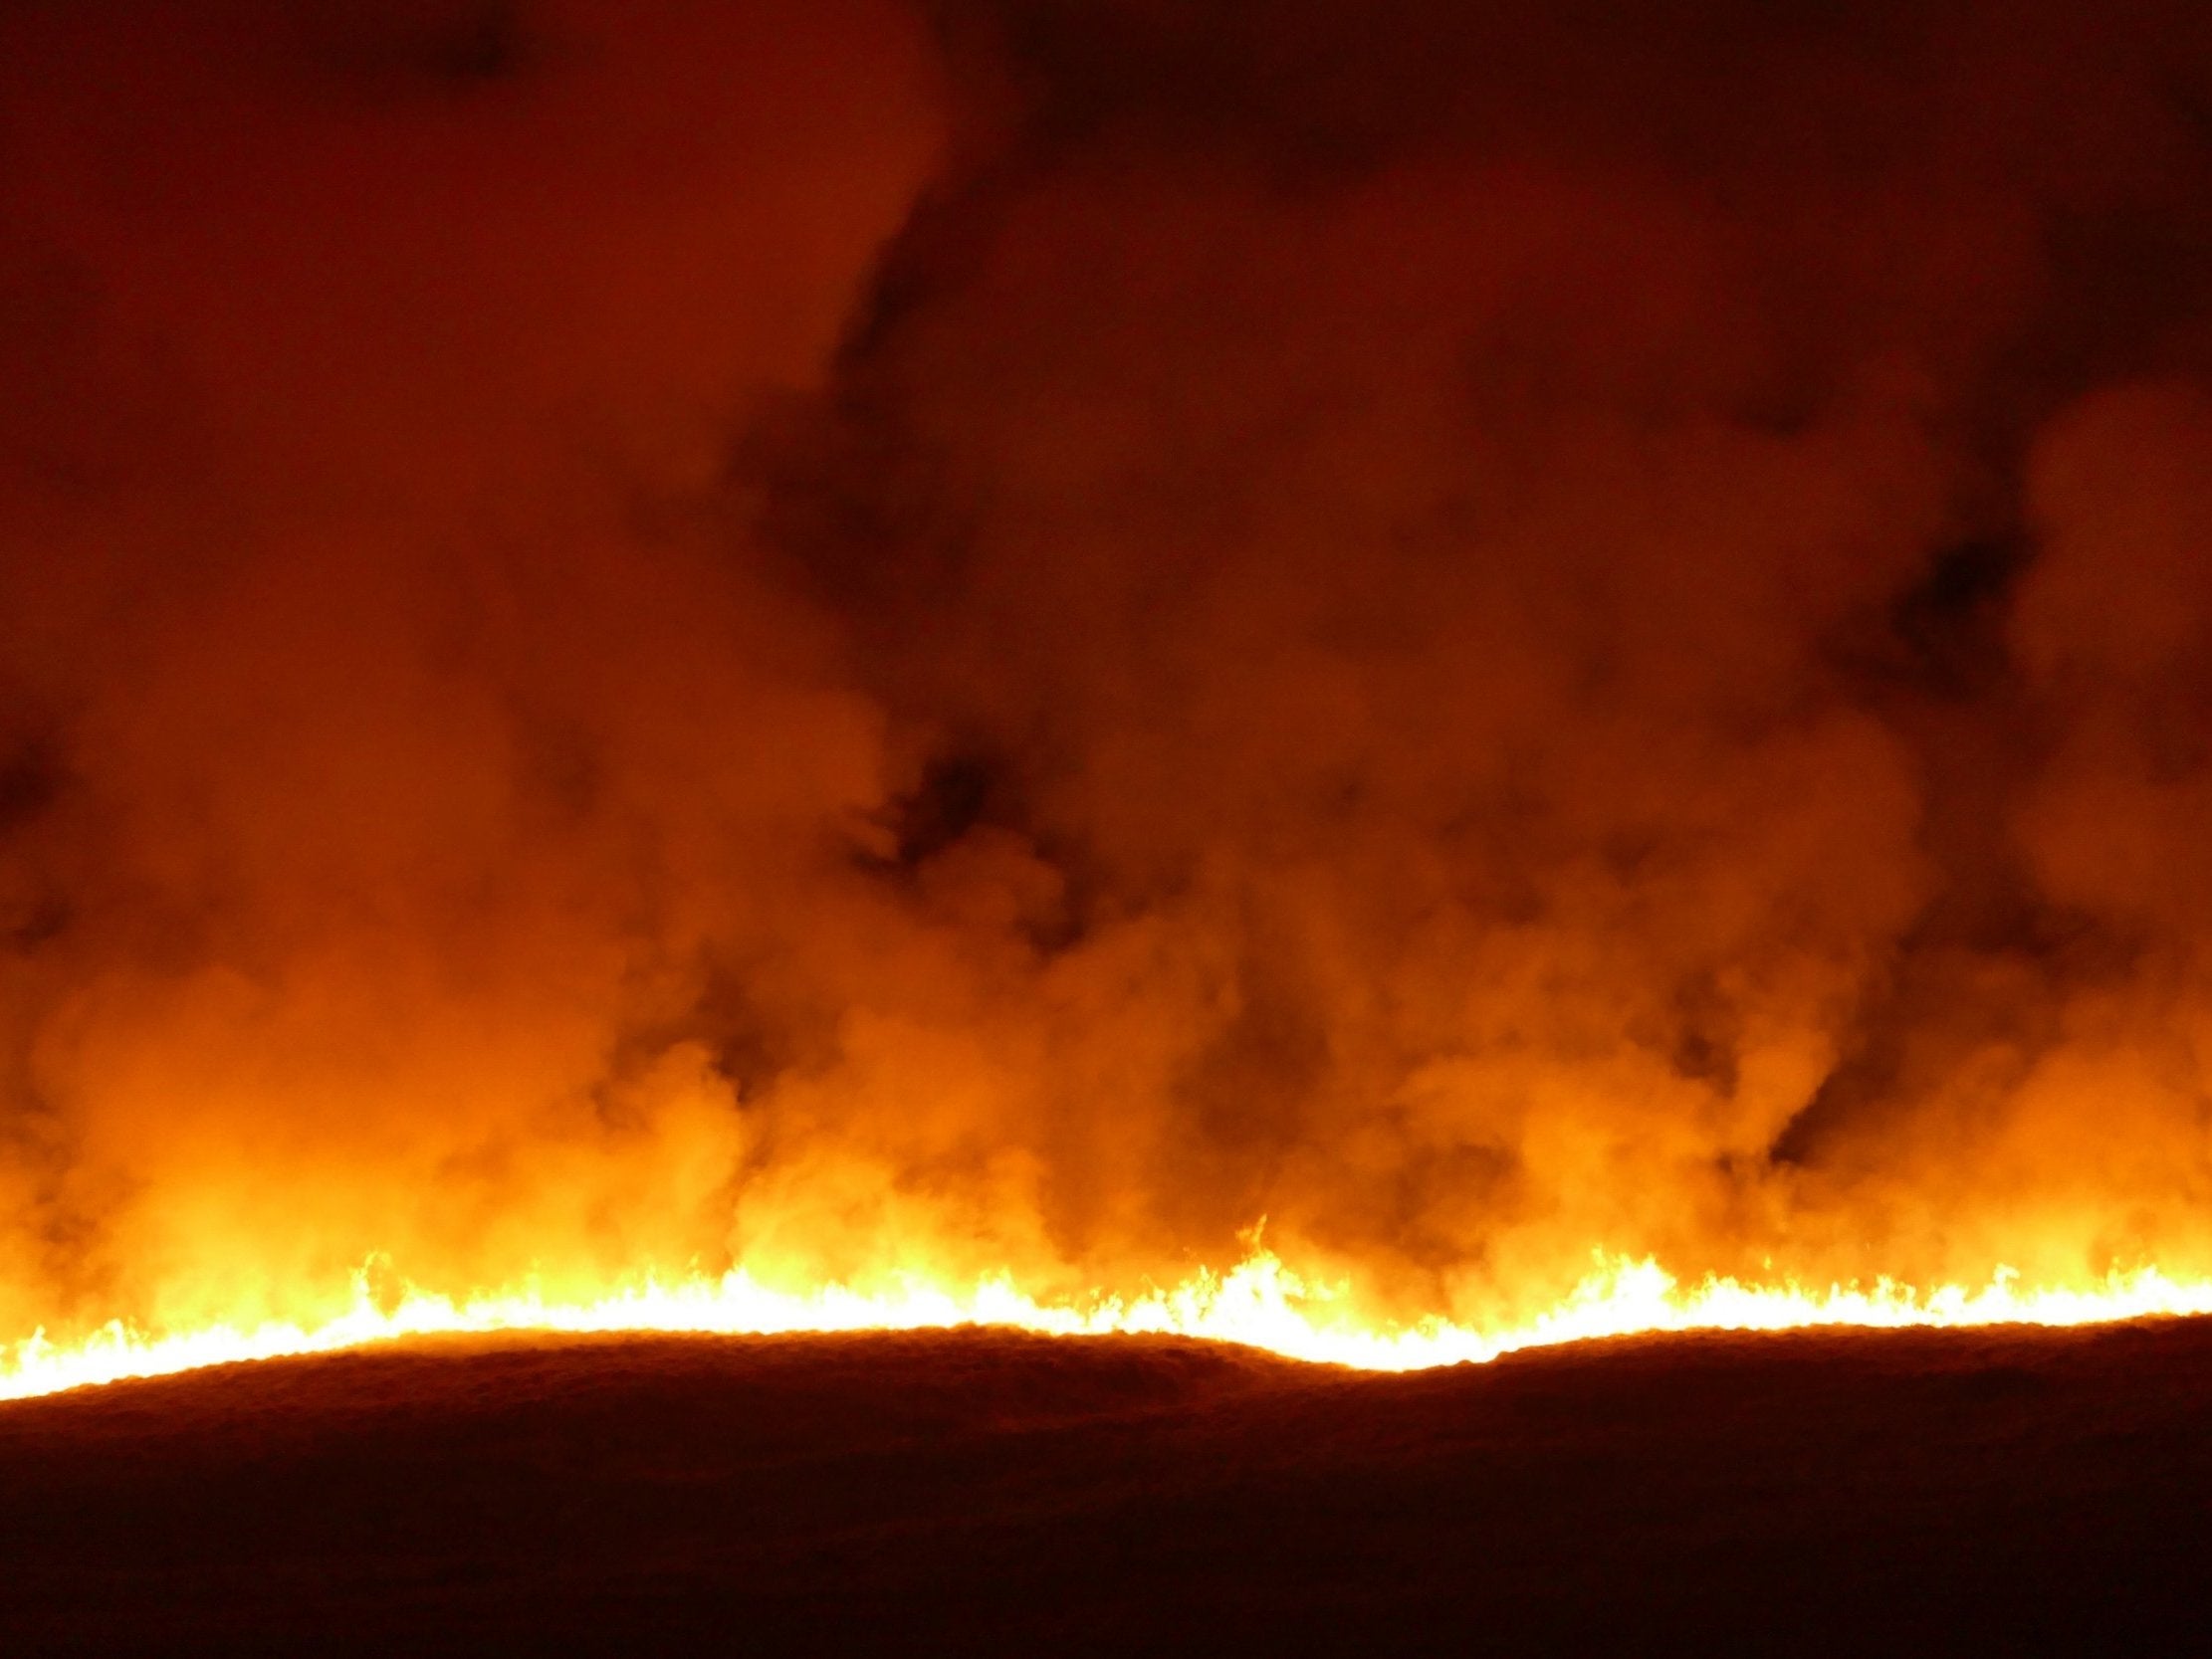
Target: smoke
(637, 637)
(401, 738)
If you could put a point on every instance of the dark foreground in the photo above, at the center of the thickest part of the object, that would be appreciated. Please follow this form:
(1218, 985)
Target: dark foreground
(989, 1493)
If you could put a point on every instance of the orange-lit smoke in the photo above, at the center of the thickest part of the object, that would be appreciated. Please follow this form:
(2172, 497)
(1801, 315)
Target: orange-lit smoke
(648, 638)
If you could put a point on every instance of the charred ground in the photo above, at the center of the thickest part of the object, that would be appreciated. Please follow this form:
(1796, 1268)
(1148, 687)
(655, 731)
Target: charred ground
(1822, 1491)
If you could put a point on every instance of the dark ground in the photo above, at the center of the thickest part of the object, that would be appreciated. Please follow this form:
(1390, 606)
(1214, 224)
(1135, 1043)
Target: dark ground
(973, 1492)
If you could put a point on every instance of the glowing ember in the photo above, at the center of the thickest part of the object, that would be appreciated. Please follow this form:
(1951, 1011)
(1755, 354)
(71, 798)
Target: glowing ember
(1259, 1302)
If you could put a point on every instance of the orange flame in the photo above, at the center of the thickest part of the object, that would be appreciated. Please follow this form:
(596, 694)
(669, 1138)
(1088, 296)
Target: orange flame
(1261, 1303)
(721, 644)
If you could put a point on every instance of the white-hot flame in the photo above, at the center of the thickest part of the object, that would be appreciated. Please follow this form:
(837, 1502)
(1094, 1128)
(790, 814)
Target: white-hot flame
(1261, 1303)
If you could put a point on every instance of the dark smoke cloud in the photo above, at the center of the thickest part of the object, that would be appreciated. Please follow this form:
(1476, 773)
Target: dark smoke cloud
(649, 634)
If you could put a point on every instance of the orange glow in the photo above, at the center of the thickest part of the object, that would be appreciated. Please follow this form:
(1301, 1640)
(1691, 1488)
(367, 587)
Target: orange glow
(789, 667)
(1259, 1302)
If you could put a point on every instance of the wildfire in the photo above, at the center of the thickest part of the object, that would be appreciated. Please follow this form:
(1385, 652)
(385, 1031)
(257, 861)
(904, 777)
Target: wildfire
(1261, 1303)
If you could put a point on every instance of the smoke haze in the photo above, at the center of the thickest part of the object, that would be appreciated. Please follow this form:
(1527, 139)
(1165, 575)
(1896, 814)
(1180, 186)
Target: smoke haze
(1016, 635)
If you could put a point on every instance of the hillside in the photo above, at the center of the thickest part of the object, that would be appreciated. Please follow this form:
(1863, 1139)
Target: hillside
(988, 1492)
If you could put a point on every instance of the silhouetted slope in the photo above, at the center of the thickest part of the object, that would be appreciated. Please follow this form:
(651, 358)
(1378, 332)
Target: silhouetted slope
(965, 1490)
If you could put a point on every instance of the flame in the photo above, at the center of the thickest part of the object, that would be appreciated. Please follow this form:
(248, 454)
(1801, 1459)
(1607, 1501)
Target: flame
(1261, 1304)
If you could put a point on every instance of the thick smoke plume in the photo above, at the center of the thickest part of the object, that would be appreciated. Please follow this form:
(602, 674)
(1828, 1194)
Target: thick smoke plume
(642, 636)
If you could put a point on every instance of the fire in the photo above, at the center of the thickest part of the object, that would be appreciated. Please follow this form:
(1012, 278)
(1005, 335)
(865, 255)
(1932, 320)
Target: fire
(1261, 1303)
(766, 635)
